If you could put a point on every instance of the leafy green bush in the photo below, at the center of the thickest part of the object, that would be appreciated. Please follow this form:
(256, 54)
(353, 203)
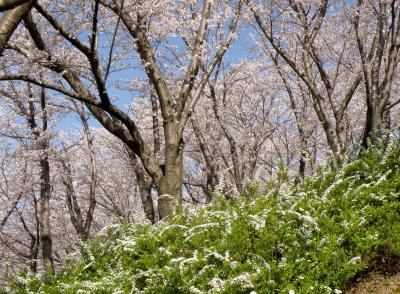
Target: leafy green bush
(311, 238)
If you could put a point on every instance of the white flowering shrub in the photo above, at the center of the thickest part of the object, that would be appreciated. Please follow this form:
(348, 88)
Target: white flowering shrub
(312, 238)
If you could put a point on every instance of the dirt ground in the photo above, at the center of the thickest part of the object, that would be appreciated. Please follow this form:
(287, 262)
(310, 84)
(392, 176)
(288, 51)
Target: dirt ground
(378, 285)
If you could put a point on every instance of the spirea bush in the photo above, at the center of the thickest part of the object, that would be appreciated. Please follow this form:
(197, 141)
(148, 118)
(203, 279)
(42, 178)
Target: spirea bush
(316, 237)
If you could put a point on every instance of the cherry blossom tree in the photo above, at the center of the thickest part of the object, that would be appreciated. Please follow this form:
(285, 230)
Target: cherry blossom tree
(316, 44)
(242, 113)
(377, 32)
(201, 47)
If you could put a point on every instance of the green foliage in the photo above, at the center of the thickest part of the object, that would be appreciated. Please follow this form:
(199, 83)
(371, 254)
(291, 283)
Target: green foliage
(311, 238)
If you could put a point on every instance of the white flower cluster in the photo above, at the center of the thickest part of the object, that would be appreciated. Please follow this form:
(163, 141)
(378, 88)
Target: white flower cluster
(243, 281)
(331, 188)
(257, 221)
(194, 231)
(217, 285)
(171, 227)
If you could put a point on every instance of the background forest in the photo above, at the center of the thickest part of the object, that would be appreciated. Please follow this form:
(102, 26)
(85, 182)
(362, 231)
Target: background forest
(127, 111)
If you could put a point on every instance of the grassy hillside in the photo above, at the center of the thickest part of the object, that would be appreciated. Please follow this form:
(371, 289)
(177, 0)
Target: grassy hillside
(313, 238)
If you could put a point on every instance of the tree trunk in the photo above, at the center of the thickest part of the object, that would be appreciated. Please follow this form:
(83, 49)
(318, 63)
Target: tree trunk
(34, 254)
(45, 232)
(302, 164)
(147, 201)
(212, 168)
(145, 184)
(42, 145)
(170, 186)
(45, 190)
(93, 172)
(373, 130)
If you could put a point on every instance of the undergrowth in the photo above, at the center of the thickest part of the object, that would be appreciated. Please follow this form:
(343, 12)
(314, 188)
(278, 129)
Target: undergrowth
(316, 237)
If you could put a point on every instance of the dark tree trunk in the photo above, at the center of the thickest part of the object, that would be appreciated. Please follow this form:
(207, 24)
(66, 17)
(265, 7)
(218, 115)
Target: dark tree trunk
(45, 191)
